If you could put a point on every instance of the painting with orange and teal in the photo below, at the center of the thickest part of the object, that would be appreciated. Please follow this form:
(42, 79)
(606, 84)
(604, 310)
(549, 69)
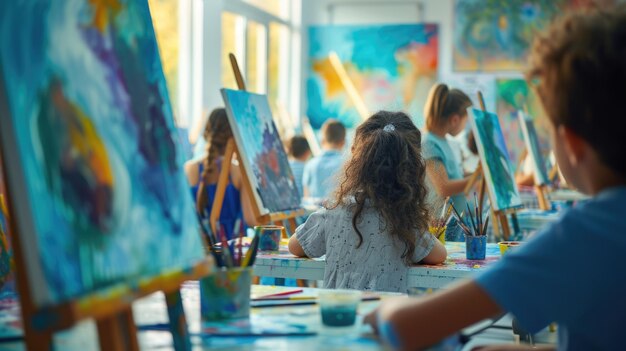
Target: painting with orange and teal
(84, 106)
(494, 159)
(391, 66)
(496, 35)
(514, 95)
(262, 151)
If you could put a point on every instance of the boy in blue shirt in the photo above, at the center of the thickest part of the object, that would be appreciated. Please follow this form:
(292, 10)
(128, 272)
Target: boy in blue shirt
(299, 153)
(321, 173)
(572, 272)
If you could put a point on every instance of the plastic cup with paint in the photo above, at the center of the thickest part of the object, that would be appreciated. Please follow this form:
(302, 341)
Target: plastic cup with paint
(439, 233)
(339, 307)
(225, 294)
(506, 246)
(269, 237)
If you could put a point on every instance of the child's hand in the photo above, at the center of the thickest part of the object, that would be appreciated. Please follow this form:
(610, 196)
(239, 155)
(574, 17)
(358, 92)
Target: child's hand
(383, 318)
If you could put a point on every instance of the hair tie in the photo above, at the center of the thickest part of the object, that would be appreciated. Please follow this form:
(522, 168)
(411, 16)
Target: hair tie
(389, 128)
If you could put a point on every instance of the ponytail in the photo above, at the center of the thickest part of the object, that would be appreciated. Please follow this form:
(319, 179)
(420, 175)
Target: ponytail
(442, 103)
(216, 133)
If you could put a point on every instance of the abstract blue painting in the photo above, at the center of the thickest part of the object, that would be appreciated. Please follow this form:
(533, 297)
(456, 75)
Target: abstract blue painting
(262, 151)
(494, 159)
(85, 111)
(391, 66)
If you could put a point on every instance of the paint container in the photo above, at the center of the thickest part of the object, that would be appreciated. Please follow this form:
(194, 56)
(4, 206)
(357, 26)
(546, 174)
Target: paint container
(475, 247)
(269, 237)
(339, 307)
(226, 294)
(442, 236)
(415, 291)
(506, 246)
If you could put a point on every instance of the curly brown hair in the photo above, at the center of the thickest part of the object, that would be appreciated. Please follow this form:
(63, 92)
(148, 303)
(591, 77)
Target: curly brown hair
(387, 170)
(579, 68)
(216, 133)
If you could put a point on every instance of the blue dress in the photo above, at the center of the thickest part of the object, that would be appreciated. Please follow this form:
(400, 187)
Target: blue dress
(231, 207)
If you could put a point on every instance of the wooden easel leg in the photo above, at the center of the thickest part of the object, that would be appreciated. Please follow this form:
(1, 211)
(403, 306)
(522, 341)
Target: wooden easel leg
(178, 322)
(506, 230)
(515, 223)
(118, 332)
(292, 225)
(544, 204)
(38, 340)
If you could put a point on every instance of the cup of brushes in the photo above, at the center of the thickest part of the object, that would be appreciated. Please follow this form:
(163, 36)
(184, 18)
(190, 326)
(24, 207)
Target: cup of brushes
(225, 294)
(474, 226)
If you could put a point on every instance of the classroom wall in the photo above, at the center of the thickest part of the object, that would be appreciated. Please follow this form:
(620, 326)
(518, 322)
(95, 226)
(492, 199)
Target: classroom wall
(441, 12)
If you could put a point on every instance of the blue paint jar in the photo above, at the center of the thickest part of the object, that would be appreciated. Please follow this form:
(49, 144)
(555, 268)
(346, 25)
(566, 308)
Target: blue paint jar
(475, 247)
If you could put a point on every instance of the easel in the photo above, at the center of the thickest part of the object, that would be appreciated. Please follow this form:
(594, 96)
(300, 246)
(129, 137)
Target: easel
(231, 153)
(348, 85)
(111, 308)
(499, 217)
(540, 189)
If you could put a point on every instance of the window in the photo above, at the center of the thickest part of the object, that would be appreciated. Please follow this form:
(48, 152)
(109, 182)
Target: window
(165, 21)
(232, 42)
(260, 33)
(256, 58)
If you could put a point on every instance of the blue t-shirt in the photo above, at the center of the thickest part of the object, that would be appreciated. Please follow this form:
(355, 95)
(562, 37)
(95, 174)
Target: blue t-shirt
(297, 168)
(321, 174)
(572, 273)
(435, 148)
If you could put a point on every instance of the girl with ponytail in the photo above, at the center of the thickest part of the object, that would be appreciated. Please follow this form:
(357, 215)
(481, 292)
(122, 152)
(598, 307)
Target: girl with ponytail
(204, 173)
(445, 112)
(377, 225)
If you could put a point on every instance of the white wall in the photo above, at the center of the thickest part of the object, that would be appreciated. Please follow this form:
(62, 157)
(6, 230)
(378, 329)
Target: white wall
(324, 12)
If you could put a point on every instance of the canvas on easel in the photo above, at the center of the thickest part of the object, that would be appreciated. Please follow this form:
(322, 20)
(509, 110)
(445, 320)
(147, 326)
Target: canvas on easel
(262, 152)
(98, 202)
(540, 172)
(494, 159)
(494, 166)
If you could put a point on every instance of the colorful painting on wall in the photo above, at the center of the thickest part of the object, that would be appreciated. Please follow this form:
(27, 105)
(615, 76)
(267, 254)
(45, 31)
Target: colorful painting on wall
(84, 104)
(514, 95)
(391, 66)
(494, 159)
(263, 153)
(531, 141)
(495, 35)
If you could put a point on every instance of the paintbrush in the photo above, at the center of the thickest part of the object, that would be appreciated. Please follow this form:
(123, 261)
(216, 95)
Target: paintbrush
(239, 249)
(248, 259)
(463, 225)
(471, 216)
(486, 225)
(479, 215)
(227, 256)
(237, 235)
(206, 231)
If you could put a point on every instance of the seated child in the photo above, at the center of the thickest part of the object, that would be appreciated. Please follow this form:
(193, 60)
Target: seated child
(321, 174)
(299, 153)
(203, 175)
(378, 224)
(572, 272)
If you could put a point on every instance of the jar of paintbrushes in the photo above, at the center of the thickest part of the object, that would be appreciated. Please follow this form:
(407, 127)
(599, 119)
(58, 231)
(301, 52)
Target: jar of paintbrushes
(438, 226)
(225, 294)
(474, 226)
